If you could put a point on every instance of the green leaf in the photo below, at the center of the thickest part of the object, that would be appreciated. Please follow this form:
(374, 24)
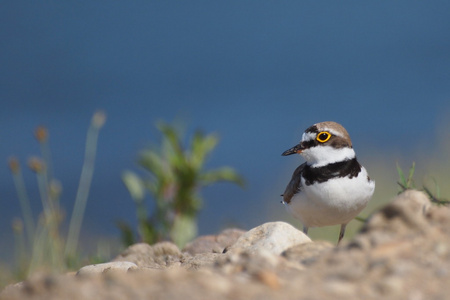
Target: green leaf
(172, 136)
(361, 219)
(152, 162)
(152, 186)
(126, 234)
(171, 147)
(222, 174)
(148, 232)
(134, 185)
(402, 181)
(184, 230)
(201, 146)
(410, 182)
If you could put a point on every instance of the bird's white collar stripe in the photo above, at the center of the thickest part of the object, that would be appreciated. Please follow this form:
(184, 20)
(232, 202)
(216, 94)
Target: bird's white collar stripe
(323, 155)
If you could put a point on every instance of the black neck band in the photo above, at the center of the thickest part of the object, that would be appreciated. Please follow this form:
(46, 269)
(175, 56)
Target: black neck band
(350, 168)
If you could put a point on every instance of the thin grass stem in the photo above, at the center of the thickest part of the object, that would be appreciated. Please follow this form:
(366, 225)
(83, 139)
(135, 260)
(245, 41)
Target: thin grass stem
(39, 244)
(25, 205)
(87, 173)
(20, 248)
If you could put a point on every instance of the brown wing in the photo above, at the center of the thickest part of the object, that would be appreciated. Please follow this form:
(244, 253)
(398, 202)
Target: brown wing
(294, 185)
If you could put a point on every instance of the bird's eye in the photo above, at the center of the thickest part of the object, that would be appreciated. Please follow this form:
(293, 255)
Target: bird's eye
(323, 136)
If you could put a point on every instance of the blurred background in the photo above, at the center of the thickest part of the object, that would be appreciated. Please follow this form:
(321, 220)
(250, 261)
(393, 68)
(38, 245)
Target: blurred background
(256, 72)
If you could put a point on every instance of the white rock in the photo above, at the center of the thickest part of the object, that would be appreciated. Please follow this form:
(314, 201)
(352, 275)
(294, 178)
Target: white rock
(274, 237)
(113, 266)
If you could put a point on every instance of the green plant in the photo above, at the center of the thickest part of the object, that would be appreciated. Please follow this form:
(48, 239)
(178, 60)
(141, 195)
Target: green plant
(45, 246)
(175, 175)
(406, 183)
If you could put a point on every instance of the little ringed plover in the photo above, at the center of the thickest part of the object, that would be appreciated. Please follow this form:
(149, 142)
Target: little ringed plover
(331, 187)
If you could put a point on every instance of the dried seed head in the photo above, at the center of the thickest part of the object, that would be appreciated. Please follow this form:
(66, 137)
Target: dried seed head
(14, 165)
(41, 134)
(99, 119)
(36, 164)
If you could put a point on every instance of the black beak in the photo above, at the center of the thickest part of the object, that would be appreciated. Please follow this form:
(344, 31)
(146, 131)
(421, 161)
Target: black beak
(296, 149)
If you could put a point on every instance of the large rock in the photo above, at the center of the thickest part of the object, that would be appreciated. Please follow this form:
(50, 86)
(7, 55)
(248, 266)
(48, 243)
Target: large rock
(274, 237)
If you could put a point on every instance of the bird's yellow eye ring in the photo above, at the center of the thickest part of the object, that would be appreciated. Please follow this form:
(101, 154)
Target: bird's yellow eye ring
(323, 136)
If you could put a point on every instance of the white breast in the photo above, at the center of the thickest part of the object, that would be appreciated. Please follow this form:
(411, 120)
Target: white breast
(336, 201)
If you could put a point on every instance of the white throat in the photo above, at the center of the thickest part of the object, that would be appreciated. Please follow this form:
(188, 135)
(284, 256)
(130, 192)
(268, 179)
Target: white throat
(320, 156)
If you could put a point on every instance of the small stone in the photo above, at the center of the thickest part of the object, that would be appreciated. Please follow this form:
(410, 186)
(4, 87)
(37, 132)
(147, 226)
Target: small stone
(391, 286)
(340, 288)
(166, 249)
(137, 253)
(199, 261)
(229, 236)
(307, 253)
(158, 256)
(203, 244)
(213, 243)
(274, 237)
(124, 266)
(268, 278)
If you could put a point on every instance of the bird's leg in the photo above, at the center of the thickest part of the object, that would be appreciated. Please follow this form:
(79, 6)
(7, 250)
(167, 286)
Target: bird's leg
(305, 230)
(341, 233)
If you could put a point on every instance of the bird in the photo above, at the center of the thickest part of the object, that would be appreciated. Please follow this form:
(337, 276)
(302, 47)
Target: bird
(331, 187)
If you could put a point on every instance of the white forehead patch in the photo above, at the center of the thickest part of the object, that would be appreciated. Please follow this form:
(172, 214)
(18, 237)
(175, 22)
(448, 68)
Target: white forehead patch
(308, 136)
